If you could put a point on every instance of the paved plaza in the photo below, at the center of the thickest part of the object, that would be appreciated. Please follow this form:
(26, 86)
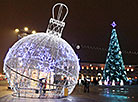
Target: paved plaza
(97, 94)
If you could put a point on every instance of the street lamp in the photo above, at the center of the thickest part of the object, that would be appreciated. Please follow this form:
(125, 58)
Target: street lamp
(24, 32)
(26, 29)
(33, 32)
(16, 30)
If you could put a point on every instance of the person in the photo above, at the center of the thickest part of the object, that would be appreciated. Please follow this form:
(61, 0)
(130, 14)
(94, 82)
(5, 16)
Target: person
(42, 85)
(86, 85)
(130, 82)
(65, 82)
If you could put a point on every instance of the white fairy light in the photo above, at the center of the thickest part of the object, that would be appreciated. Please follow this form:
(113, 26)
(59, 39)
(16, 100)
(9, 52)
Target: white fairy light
(120, 52)
(78, 47)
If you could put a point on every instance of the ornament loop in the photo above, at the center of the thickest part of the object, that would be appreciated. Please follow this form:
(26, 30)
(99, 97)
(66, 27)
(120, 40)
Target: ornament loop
(59, 11)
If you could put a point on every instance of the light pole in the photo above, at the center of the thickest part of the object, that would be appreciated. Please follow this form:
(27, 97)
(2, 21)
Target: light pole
(23, 32)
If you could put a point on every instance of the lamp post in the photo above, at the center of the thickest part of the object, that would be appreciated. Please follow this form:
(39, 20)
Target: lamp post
(23, 32)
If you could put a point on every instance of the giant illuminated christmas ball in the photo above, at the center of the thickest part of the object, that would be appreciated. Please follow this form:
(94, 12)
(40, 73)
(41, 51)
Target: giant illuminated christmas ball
(42, 59)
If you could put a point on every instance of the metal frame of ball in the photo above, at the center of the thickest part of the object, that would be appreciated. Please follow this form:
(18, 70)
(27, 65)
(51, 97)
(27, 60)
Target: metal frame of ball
(16, 65)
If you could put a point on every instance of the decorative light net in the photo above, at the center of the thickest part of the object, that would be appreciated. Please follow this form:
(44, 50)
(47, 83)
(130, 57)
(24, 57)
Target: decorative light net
(41, 65)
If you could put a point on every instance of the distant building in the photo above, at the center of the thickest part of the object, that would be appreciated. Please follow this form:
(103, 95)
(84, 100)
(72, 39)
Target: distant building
(95, 71)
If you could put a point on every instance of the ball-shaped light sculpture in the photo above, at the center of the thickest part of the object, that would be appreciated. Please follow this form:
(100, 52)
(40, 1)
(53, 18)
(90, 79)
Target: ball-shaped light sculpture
(42, 65)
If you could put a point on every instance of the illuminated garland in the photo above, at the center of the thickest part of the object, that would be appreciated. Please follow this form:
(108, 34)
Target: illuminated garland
(101, 48)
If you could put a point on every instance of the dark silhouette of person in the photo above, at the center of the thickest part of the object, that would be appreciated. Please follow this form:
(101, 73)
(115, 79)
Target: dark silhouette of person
(65, 82)
(42, 85)
(86, 85)
(95, 82)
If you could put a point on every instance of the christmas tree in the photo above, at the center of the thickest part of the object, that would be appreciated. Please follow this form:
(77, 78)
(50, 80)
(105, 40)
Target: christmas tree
(114, 70)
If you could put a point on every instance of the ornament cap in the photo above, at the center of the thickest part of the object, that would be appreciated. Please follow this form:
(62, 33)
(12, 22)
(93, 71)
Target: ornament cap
(56, 24)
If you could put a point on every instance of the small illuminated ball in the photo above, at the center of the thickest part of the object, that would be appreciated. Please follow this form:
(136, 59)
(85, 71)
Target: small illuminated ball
(38, 56)
(78, 47)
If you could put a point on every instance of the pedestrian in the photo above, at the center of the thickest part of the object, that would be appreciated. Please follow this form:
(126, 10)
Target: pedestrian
(65, 82)
(42, 85)
(130, 82)
(86, 85)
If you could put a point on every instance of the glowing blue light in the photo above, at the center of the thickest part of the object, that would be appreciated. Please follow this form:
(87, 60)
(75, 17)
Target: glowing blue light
(115, 96)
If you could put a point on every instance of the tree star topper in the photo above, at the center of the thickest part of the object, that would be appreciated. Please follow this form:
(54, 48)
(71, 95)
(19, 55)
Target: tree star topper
(113, 24)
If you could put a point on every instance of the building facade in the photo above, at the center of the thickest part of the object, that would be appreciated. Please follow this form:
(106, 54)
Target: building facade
(94, 71)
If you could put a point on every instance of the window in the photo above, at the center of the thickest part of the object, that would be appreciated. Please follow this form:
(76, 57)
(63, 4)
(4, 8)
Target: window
(82, 67)
(132, 69)
(102, 68)
(127, 69)
(91, 68)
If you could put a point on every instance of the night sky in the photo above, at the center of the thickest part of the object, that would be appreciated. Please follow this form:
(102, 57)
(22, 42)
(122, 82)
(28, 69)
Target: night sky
(88, 23)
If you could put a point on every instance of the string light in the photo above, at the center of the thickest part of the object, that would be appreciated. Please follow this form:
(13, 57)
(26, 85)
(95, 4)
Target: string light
(103, 49)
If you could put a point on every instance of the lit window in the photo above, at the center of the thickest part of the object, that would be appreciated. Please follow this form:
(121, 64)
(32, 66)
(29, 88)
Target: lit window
(132, 69)
(130, 66)
(127, 69)
(87, 67)
(91, 78)
(96, 78)
(102, 68)
(96, 68)
(129, 78)
(82, 67)
(91, 68)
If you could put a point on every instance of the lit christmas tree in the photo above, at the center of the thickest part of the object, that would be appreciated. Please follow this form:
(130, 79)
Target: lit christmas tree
(114, 70)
